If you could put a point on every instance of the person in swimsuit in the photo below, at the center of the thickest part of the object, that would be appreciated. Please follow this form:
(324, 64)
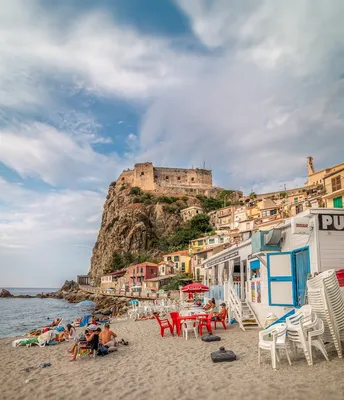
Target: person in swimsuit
(107, 337)
(68, 333)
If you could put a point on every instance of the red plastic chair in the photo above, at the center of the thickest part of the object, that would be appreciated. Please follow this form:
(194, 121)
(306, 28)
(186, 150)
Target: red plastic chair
(164, 324)
(174, 316)
(205, 321)
(221, 320)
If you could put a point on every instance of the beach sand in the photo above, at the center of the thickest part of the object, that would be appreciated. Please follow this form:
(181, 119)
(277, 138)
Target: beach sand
(171, 368)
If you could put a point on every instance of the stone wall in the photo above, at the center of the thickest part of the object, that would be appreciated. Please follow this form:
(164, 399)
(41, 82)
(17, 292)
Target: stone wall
(178, 180)
(192, 178)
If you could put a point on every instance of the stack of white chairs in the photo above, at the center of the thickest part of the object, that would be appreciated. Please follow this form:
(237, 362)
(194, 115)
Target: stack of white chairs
(325, 297)
(305, 330)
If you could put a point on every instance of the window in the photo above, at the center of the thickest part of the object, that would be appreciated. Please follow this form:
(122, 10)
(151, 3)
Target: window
(299, 209)
(163, 270)
(178, 178)
(141, 270)
(200, 243)
(247, 226)
(176, 258)
(265, 213)
(296, 199)
(273, 212)
(338, 202)
(192, 179)
(152, 271)
(166, 178)
(222, 239)
(183, 267)
(142, 173)
(336, 183)
(169, 258)
(211, 241)
(137, 269)
(176, 265)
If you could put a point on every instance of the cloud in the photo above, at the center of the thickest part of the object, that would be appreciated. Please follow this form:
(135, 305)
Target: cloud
(38, 231)
(41, 58)
(41, 151)
(255, 112)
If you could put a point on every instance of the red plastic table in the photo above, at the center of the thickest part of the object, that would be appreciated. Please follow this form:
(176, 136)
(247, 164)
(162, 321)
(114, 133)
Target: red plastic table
(185, 318)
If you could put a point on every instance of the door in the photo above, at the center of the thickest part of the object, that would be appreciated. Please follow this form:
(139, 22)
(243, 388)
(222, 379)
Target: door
(281, 279)
(302, 269)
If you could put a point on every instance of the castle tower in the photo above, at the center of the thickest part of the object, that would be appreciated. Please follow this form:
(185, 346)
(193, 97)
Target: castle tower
(310, 165)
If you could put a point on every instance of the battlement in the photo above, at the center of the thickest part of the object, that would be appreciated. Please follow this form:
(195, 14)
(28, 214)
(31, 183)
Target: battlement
(148, 177)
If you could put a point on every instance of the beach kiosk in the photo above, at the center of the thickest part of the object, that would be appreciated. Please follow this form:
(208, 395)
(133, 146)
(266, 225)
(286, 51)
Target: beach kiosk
(268, 272)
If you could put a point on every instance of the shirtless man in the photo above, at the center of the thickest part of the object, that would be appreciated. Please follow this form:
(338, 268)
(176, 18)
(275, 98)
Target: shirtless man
(107, 335)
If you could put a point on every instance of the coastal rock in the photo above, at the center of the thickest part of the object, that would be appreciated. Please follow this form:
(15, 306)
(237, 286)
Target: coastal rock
(132, 227)
(5, 293)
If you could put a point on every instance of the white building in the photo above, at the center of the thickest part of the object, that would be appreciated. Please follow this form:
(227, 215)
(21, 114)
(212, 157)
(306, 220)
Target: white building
(268, 273)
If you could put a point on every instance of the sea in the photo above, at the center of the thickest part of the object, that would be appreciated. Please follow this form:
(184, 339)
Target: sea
(19, 316)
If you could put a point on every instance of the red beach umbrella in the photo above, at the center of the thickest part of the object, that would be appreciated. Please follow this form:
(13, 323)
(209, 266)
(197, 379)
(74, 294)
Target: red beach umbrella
(195, 288)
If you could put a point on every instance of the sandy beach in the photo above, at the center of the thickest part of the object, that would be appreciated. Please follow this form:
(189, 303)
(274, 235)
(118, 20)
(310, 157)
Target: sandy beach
(171, 368)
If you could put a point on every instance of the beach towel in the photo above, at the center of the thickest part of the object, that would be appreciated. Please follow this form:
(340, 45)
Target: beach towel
(24, 342)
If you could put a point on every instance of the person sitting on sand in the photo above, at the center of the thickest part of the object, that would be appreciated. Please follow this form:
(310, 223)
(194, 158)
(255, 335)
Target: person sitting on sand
(106, 337)
(92, 339)
(67, 334)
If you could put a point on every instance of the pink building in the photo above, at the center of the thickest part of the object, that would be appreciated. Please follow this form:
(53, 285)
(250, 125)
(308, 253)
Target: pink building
(140, 272)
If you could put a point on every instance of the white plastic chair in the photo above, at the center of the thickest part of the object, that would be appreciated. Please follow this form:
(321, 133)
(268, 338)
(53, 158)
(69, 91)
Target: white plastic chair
(315, 339)
(277, 335)
(190, 326)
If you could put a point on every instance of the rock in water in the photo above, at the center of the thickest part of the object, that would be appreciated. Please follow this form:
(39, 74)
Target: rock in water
(5, 293)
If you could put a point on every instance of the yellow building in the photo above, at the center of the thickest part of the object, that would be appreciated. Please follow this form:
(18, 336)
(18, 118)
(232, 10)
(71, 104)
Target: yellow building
(181, 260)
(334, 188)
(207, 242)
(318, 177)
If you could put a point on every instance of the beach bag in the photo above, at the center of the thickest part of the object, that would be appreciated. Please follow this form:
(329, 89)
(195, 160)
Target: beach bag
(223, 355)
(210, 338)
(102, 350)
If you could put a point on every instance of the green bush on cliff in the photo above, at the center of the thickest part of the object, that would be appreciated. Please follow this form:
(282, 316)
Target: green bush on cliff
(136, 191)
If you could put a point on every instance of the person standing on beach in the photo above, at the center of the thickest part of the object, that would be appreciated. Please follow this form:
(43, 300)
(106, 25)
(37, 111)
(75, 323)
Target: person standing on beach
(106, 337)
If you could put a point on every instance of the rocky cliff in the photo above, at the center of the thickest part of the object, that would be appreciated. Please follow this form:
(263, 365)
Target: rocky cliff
(133, 224)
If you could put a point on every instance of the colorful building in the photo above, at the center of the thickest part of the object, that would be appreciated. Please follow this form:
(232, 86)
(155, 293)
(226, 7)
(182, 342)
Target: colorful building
(141, 272)
(114, 279)
(181, 260)
(334, 188)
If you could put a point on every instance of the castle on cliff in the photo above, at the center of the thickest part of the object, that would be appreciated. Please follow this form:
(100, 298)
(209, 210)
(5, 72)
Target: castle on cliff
(178, 180)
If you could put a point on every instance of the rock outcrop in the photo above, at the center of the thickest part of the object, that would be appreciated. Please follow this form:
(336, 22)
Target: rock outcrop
(132, 227)
(5, 293)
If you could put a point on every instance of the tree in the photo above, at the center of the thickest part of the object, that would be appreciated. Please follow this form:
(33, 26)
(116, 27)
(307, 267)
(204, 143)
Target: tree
(200, 223)
(116, 262)
(210, 204)
(176, 282)
(252, 196)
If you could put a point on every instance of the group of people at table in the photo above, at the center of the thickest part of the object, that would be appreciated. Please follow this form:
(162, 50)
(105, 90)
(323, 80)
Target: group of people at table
(209, 312)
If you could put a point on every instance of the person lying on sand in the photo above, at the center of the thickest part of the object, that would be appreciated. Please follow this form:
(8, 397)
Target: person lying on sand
(54, 323)
(144, 318)
(92, 338)
(67, 334)
(107, 337)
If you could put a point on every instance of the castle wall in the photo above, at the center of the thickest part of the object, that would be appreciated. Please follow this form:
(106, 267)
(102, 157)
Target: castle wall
(127, 177)
(144, 176)
(193, 178)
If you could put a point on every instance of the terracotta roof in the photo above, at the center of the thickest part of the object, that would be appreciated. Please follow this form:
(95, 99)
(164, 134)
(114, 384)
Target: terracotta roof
(146, 264)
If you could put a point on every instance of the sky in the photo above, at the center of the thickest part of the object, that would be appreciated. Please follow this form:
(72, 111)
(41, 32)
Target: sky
(88, 88)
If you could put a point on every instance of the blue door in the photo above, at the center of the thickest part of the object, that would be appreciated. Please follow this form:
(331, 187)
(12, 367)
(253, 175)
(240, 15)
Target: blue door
(302, 269)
